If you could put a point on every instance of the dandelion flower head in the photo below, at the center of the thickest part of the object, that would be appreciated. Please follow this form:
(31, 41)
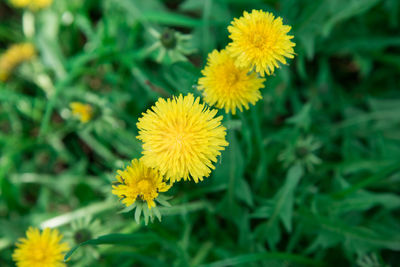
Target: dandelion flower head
(31, 4)
(39, 4)
(228, 86)
(14, 56)
(81, 111)
(181, 138)
(40, 249)
(260, 41)
(20, 3)
(139, 181)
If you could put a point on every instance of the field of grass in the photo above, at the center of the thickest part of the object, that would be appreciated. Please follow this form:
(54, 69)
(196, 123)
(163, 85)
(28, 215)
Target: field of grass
(311, 176)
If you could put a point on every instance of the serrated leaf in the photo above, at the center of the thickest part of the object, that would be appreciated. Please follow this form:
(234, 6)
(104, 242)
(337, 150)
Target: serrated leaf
(356, 238)
(365, 200)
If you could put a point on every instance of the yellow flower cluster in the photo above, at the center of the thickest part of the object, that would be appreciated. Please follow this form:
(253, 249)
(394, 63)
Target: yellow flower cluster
(31, 4)
(14, 56)
(181, 137)
(232, 76)
(181, 140)
(40, 249)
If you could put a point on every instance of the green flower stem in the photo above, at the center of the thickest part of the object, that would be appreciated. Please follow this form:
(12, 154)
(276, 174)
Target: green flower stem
(66, 218)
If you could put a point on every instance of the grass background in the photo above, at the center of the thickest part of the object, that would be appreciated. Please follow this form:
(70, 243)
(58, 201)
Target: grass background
(264, 205)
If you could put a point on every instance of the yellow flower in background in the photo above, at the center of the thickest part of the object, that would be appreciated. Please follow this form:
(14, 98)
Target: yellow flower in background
(259, 41)
(14, 56)
(40, 249)
(139, 181)
(31, 4)
(39, 4)
(81, 111)
(20, 3)
(228, 86)
(181, 138)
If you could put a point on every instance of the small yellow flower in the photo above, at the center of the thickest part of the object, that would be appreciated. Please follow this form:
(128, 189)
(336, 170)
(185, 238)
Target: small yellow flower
(181, 138)
(31, 4)
(20, 3)
(40, 249)
(259, 40)
(40, 4)
(83, 112)
(139, 181)
(228, 86)
(14, 56)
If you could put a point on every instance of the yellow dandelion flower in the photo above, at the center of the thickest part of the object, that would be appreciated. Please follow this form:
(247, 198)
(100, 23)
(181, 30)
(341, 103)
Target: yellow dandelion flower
(20, 3)
(228, 86)
(139, 181)
(81, 111)
(39, 4)
(259, 40)
(31, 4)
(14, 56)
(181, 138)
(40, 249)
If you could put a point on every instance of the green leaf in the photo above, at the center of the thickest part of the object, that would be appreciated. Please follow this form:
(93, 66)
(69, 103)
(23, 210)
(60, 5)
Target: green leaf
(364, 237)
(284, 199)
(172, 19)
(343, 10)
(243, 192)
(385, 172)
(184, 208)
(136, 239)
(303, 118)
(255, 257)
(363, 201)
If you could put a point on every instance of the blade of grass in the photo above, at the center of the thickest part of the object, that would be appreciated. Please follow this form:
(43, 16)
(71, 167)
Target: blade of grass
(255, 257)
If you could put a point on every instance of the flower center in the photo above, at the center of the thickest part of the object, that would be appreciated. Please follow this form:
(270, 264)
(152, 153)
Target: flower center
(168, 39)
(82, 235)
(144, 186)
(178, 136)
(259, 41)
(40, 254)
(232, 78)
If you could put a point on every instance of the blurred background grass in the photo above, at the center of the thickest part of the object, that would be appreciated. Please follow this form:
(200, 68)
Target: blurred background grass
(312, 173)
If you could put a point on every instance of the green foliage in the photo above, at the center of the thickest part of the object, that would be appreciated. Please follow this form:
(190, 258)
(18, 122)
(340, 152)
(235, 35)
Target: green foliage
(312, 173)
